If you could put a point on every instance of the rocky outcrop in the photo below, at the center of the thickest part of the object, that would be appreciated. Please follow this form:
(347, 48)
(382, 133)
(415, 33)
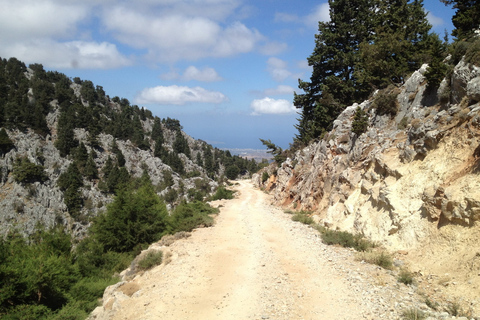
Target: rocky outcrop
(401, 178)
(23, 207)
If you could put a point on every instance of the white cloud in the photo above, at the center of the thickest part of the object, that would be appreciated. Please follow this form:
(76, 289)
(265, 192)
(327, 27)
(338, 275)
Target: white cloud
(272, 106)
(279, 90)
(285, 17)
(434, 20)
(320, 13)
(162, 30)
(73, 54)
(178, 95)
(273, 48)
(278, 69)
(193, 73)
(31, 19)
(177, 37)
(47, 32)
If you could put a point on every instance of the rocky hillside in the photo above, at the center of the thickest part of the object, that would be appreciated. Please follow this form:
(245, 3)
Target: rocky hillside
(56, 131)
(410, 181)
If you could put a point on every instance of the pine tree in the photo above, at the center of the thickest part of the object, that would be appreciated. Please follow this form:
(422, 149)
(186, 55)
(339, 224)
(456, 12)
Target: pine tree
(6, 144)
(360, 122)
(332, 85)
(157, 132)
(466, 19)
(398, 45)
(91, 171)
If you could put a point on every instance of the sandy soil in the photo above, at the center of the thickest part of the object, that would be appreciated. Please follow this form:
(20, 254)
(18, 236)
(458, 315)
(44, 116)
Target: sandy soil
(256, 263)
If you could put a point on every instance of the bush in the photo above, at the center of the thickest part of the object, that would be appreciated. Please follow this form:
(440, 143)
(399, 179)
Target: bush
(232, 172)
(223, 193)
(265, 176)
(405, 277)
(381, 259)
(25, 171)
(346, 239)
(455, 309)
(386, 101)
(151, 259)
(303, 217)
(188, 216)
(134, 217)
(360, 122)
(473, 53)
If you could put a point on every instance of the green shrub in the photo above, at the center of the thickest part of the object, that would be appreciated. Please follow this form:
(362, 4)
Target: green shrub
(303, 217)
(405, 277)
(74, 311)
(402, 125)
(87, 290)
(360, 122)
(188, 216)
(345, 239)
(151, 259)
(171, 196)
(386, 102)
(222, 193)
(431, 304)
(25, 171)
(265, 176)
(232, 172)
(134, 217)
(383, 260)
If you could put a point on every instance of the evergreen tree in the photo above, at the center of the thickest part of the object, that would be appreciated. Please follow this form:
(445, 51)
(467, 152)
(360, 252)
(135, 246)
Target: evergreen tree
(436, 68)
(70, 182)
(118, 153)
(157, 132)
(398, 46)
(133, 218)
(91, 171)
(65, 136)
(466, 19)
(356, 52)
(332, 84)
(6, 144)
(276, 151)
(360, 122)
(180, 145)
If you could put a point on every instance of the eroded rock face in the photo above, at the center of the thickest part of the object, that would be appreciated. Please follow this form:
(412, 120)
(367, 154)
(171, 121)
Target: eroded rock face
(399, 178)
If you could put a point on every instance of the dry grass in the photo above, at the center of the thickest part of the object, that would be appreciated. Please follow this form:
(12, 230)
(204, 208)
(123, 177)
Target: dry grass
(169, 239)
(380, 258)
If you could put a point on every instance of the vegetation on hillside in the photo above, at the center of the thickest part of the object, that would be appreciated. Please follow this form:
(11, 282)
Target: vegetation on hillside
(51, 279)
(50, 275)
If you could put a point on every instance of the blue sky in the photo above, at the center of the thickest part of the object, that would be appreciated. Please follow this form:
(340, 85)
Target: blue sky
(226, 69)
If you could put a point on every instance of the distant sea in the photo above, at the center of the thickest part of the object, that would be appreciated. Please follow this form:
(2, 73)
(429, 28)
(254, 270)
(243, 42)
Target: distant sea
(257, 154)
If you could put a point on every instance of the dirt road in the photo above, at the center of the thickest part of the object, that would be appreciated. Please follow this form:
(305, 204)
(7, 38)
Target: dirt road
(255, 263)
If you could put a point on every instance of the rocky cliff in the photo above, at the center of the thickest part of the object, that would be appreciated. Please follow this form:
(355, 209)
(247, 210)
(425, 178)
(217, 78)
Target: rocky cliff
(403, 175)
(410, 182)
